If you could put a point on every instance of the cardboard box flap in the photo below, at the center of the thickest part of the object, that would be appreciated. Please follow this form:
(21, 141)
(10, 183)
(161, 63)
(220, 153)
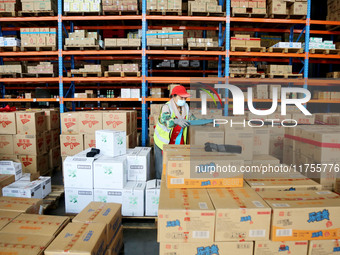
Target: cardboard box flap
(6, 217)
(277, 204)
(282, 182)
(298, 195)
(153, 184)
(19, 204)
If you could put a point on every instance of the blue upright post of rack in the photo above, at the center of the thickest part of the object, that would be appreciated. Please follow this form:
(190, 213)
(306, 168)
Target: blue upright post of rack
(220, 41)
(227, 56)
(3, 88)
(60, 55)
(291, 40)
(73, 85)
(307, 36)
(144, 74)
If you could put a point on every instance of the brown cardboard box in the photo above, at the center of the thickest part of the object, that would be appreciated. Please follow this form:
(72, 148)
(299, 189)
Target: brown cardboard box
(261, 141)
(116, 245)
(24, 244)
(89, 141)
(54, 158)
(52, 119)
(108, 214)
(18, 204)
(323, 247)
(240, 248)
(71, 144)
(6, 217)
(8, 123)
(69, 123)
(300, 217)
(89, 122)
(29, 145)
(34, 164)
(186, 214)
(278, 248)
(276, 141)
(242, 137)
(277, 7)
(8, 157)
(298, 8)
(6, 144)
(5, 179)
(48, 140)
(118, 120)
(208, 171)
(241, 215)
(44, 225)
(303, 119)
(30, 123)
(201, 135)
(93, 240)
(55, 135)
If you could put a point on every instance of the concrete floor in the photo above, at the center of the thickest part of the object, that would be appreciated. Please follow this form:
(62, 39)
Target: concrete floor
(136, 241)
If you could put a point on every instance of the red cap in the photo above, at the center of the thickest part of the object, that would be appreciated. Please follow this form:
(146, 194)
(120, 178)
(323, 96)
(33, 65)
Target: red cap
(181, 91)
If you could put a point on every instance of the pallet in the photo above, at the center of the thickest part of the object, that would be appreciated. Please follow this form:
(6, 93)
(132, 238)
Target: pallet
(164, 12)
(36, 13)
(324, 51)
(11, 75)
(151, 47)
(87, 74)
(249, 15)
(8, 14)
(121, 74)
(214, 14)
(122, 48)
(126, 12)
(285, 50)
(82, 47)
(9, 48)
(248, 49)
(248, 75)
(37, 75)
(52, 199)
(205, 48)
(82, 13)
(140, 222)
(38, 48)
(286, 16)
(285, 76)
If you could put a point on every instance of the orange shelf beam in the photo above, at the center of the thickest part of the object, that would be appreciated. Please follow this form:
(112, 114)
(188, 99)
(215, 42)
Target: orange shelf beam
(31, 80)
(328, 56)
(185, 52)
(28, 53)
(267, 54)
(102, 52)
(185, 18)
(25, 19)
(102, 79)
(106, 17)
(325, 22)
(29, 100)
(264, 20)
(101, 99)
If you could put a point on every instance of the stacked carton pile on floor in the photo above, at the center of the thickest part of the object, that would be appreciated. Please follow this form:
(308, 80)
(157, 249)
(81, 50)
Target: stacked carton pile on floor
(205, 6)
(333, 7)
(164, 37)
(248, 7)
(82, 6)
(245, 41)
(281, 7)
(164, 5)
(120, 5)
(38, 37)
(38, 6)
(82, 38)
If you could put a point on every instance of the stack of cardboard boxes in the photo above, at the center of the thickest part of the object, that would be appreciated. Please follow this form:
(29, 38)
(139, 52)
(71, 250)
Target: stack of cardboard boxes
(41, 68)
(122, 42)
(241, 40)
(130, 93)
(164, 5)
(120, 5)
(38, 6)
(333, 7)
(82, 38)
(134, 68)
(206, 6)
(335, 75)
(202, 42)
(88, 69)
(164, 37)
(38, 37)
(9, 6)
(327, 118)
(82, 6)
(243, 69)
(326, 95)
(291, 45)
(279, 69)
(248, 6)
(10, 69)
(282, 7)
(9, 41)
(319, 43)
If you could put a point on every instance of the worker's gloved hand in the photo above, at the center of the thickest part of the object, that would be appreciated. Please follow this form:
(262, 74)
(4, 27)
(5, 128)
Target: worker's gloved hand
(165, 117)
(182, 123)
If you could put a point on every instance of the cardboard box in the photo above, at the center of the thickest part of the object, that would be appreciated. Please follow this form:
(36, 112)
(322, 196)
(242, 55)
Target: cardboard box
(116, 245)
(23, 205)
(77, 199)
(7, 217)
(133, 199)
(8, 123)
(89, 141)
(117, 120)
(34, 164)
(152, 197)
(261, 141)
(323, 247)
(52, 119)
(46, 185)
(89, 122)
(54, 158)
(78, 172)
(187, 214)
(55, 135)
(19, 243)
(201, 135)
(12, 168)
(243, 137)
(6, 144)
(98, 212)
(300, 216)
(110, 173)
(240, 248)
(32, 224)
(92, 239)
(48, 140)
(277, 248)
(29, 144)
(241, 214)
(108, 195)
(70, 123)
(71, 144)
(30, 123)
(111, 143)
(23, 189)
(138, 164)
(5, 179)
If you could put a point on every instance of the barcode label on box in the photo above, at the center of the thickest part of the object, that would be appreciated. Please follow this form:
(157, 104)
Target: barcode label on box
(323, 192)
(258, 204)
(203, 205)
(257, 184)
(281, 205)
(177, 181)
(200, 234)
(284, 232)
(257, 233)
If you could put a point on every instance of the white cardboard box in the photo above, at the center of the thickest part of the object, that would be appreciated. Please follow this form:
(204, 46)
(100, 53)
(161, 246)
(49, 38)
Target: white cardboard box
(138, 164)
(23, 189)
(135, 93)
(78, 172)
(108, 195)
(133, 199)
(152, 191)
(77, 199)
(125, 93)
(10, 167)
(46, 185)
(110, 173)
(111, 143)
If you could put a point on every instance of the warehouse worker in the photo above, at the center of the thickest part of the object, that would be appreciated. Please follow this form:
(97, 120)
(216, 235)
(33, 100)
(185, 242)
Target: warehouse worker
(172, 125)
